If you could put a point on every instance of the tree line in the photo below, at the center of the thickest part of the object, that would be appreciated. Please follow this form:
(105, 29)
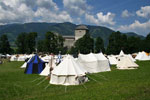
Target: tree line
(27, 43)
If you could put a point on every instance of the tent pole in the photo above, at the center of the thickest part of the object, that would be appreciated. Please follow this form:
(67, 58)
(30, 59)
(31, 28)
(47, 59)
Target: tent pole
(37, 79)
(94, 80)
(65, 89)
(46, 86)
(82, 84)
(41, 81)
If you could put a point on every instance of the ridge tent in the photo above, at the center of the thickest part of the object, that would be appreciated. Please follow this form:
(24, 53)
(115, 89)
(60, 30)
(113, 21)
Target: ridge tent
(94, 63)
(68, 72)
(35, 65)
(126, 63)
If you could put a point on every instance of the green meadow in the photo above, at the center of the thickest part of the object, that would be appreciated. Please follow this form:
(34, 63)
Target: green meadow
(113, 85)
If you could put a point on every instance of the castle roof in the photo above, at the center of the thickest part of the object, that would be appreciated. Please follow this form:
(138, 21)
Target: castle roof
(81, 27)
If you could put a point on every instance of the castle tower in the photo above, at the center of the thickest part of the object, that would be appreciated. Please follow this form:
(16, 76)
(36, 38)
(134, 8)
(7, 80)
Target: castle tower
(80, 31)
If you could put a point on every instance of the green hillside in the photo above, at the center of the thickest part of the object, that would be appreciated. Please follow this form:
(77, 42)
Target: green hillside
(12, 30)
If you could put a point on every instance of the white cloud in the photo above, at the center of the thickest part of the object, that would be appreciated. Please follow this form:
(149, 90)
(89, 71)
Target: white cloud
(108, 18)
(48, 4)
(141, 28)
(20, 11)
(48, 16)
(76, 7)
(126, 13)
(101, 19)
(144, 12)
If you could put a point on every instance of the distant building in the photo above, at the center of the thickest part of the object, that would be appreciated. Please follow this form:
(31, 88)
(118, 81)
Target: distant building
(80, 31)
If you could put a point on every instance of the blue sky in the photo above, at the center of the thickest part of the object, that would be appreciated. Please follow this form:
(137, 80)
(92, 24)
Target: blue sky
(119, 15)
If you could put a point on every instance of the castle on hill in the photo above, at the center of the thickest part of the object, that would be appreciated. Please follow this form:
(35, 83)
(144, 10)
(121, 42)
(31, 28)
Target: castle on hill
(79, 32)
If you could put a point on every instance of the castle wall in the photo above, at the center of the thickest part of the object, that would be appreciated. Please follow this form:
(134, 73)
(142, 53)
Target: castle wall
(69, 42)
(79, 34)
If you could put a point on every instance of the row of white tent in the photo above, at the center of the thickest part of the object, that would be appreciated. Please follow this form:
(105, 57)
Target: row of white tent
(73, 71)
(20, 57)
(142, 56)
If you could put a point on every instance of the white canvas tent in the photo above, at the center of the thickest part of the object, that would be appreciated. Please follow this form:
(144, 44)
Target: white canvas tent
(25, 64)
(112, 60)
(68, 72)
(142, 56)
(129, 55)
(46, 70)
(13, 58)
(94, 63)
(46, 58)
(22, 58)
(126, 63)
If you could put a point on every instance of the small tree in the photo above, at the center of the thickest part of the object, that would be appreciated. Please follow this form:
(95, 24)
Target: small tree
(21, 43)
(117, 42)
(31, 42)
(40, 46)
(85, 44)
(147, 43)
(99, 45)
(50, 42)
(4, 45)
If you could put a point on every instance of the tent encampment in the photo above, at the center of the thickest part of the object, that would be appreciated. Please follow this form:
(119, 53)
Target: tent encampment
(35, 65)
(68, 72)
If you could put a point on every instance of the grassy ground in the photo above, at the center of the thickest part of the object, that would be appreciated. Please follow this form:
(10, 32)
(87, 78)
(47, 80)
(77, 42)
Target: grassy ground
(116, 85)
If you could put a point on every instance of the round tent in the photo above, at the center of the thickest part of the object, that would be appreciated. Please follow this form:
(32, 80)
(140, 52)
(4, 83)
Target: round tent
(68, 72)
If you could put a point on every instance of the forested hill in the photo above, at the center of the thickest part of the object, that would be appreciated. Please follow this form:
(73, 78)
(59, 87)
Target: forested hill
(12, 30)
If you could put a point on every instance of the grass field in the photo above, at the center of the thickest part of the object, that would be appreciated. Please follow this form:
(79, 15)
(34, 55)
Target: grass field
(115, 85)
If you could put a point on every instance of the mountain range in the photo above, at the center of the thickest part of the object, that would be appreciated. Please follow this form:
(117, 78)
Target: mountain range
(66, 28)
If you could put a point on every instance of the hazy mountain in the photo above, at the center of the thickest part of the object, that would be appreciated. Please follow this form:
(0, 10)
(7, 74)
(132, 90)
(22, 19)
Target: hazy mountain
(12, 30)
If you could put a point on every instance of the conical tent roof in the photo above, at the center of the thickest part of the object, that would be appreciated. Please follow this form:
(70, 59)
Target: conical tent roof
(36, 59)
(69, 67)
(121, 53)
(126, 62)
